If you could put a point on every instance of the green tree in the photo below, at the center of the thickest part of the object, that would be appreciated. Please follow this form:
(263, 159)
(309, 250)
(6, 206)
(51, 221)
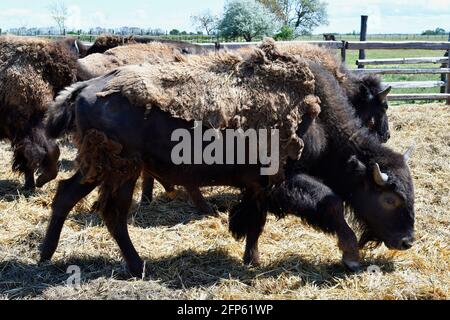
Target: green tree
(174, 32)
(440, 31)
(285, 33)
(247, 19)
(301, 15)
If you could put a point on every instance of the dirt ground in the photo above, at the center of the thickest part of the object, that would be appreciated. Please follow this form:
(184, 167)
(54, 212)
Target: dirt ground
(193, 257)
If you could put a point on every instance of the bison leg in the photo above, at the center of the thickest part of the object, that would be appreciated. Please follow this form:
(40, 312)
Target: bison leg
(30, 184)
(251, 255)
(49, 166)
(69, 193)
(148, 186)
(26, 157)
(247, 220)
(147, 189)
(319, 206)
(200, 202)
(115, 215)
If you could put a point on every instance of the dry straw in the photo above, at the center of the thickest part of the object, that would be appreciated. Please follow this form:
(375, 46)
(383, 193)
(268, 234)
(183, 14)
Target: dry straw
(196, 258)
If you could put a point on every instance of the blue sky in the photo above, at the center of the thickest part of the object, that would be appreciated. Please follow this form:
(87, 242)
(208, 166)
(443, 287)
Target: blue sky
(386, 16)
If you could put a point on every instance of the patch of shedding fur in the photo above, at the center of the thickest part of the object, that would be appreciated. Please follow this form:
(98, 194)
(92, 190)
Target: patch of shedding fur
(265, 88)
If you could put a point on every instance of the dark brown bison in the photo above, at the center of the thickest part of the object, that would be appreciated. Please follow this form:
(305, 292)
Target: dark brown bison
(112, 153)
(341, 162)
(32, 72)
(329, 37)
(156, 102)
(365, 92)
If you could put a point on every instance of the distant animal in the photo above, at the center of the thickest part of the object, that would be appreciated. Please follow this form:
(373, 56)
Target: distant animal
(329, 37)
(341, 162)
(32, 72)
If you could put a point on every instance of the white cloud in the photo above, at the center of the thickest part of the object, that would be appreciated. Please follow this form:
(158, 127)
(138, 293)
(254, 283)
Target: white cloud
(74, 20)
(388, 16)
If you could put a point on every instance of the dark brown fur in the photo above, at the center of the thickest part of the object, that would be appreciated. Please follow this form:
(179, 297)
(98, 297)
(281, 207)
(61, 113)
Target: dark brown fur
(31, 74)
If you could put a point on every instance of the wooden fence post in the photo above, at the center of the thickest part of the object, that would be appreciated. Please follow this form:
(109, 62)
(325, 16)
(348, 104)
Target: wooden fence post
(344, 51)
(448, 75)
(363, 37)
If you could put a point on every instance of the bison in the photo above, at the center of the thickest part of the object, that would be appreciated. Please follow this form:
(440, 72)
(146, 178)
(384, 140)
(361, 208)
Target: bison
(115, 112)
(106, 42)
(111, 123)
(32, 72)
(342, 163)
(365, 92)
(329, 37)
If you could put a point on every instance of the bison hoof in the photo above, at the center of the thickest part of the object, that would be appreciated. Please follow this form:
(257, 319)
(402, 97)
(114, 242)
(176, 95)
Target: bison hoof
(138, 270)
(252, 259)
(353, 266)
(29, 188)
(43, 180)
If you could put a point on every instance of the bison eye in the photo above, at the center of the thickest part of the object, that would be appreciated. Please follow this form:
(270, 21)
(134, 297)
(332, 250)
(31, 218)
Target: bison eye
(390, 200)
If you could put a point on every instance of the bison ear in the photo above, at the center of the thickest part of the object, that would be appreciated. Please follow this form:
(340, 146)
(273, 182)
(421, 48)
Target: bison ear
(355, 165)
(365, 91)
(383, 94)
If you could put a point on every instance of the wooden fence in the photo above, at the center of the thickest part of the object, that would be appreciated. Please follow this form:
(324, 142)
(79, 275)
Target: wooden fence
(344, 46)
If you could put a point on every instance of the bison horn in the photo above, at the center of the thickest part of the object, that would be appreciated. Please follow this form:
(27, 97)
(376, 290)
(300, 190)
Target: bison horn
(384, 93)
(77, 48)
(408, 153)
(380, 178)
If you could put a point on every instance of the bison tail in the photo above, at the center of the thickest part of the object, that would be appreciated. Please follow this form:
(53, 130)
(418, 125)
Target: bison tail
(61, 114)
(245, 215)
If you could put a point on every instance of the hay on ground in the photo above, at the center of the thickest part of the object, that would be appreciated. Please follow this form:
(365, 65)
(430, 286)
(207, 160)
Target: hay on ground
(194, 257)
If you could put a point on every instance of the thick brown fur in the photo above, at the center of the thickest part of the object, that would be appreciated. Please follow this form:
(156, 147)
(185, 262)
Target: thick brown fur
(96, 65)
(32, 72)
(99, 160)
(316, 54)
(264, 89)
(107, 41)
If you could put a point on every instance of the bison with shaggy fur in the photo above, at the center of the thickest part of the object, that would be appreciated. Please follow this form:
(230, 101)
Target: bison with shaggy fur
(106, 42)
(32, 72)
(366, 93)
(125, 121)
(342, 163)
(96, 65)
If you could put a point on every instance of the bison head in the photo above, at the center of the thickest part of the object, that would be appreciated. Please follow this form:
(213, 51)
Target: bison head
(384, 201)
(371, 104)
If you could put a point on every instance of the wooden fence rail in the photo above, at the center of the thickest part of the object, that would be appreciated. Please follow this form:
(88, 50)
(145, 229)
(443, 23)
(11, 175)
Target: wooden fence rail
(369, 62)
(405, 71)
